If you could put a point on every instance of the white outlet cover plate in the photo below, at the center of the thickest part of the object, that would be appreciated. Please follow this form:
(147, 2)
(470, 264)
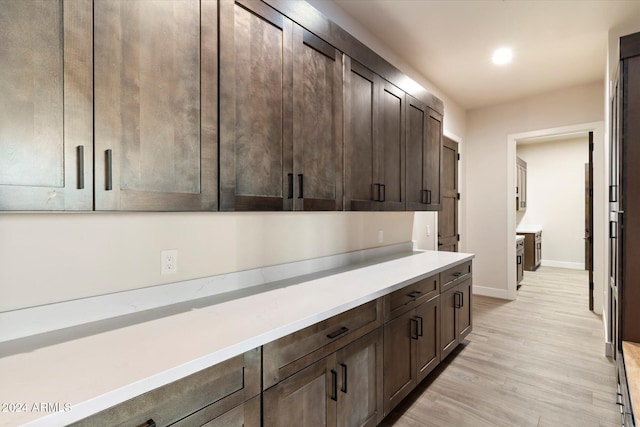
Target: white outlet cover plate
(169, 261)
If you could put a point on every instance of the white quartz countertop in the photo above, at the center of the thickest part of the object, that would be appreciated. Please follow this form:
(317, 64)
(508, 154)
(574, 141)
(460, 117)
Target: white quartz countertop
(85, 374)
(529, 228)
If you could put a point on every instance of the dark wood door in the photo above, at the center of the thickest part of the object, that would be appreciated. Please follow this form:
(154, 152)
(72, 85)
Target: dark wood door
(307, 398)
(448, 323)
(448, 216)
(316, 182)
(155, 105)
(46, 107)
(400, 336)
(256, 72)
(361, 128)
(428, 343)
(390, 152)
(359, 367)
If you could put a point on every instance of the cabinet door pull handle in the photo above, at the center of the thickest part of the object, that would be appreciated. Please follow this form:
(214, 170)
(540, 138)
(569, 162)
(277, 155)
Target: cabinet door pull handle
(423, 197)
(337, 333)
(420, 325)
(300, 186)
(428, 197)
(148, 423)
(519, 260)
(457, 300)
(414, 322)
(80, 160)
(334, 385)
(344, 378)
(109, 170)
(384, 193)
(376, 192)
(290, 178)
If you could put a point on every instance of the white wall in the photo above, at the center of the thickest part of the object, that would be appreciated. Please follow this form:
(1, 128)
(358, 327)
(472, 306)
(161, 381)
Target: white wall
(556, 197)
(490, 172)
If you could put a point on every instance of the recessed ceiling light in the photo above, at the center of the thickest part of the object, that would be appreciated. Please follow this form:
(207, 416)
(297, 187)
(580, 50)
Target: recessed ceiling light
(502, 56)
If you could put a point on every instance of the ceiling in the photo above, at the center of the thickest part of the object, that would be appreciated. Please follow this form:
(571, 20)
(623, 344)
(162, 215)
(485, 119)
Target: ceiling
(556, 44)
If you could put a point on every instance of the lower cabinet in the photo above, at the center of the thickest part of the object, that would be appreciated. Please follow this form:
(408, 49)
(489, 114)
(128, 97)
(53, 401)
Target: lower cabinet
(411, 350)
(208, 396)
(455, 317)
(343, 389)
(519, 261)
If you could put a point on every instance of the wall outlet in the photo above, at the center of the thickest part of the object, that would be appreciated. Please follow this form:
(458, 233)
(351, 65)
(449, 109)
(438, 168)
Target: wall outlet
(169, 261)
(428, 231)
(380, 236)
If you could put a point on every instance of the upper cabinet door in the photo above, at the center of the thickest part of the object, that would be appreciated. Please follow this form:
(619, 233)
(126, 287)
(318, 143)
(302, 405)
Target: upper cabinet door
(317, 123)
(256, 67)
(155, 105)
(433, 160)
(391, 147)
(46, 134)
(419, 157)
(362, 189)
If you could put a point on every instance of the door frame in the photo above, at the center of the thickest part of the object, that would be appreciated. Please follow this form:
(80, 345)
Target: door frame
(599, 215)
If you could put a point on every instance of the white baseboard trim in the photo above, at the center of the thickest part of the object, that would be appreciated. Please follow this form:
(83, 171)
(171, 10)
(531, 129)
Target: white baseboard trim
(562, 264)
(491, 292)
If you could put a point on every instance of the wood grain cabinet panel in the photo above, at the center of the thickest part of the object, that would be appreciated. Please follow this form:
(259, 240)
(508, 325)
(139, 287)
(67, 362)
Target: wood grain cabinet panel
(411, 350)
(343, 389)
(374, 141)
(456, 315)
(46, 108)
(155, 105)
(193, 400)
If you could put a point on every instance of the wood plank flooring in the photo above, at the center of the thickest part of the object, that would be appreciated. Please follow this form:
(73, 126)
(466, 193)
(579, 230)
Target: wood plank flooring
(537, 361)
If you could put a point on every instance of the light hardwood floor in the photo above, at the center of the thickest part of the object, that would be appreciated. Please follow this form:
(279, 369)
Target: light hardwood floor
(536, 361)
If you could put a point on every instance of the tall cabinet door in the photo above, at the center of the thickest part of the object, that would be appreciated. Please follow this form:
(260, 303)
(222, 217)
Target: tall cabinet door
(155, 105)
(46, 116)
(390, 153)
(256, 72)
(361, 116)
(417, 118)
(316, 183)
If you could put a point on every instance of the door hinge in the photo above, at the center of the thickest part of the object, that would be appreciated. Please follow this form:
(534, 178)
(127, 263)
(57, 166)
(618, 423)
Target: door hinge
(591, 286)
(458, 156)
(458, 237)
(458, 196)
(590, 193)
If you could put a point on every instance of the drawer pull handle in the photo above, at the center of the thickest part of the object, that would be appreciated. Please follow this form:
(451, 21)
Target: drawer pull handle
(414, 321)
(457, 274)
(414, 294)
(344, 378)
(337, 333)
(148, 423)
(334, 385)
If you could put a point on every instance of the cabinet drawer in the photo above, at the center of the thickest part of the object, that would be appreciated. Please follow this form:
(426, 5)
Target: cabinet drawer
(289, 354)
(203, 395)
(411, 296)
(454, 275)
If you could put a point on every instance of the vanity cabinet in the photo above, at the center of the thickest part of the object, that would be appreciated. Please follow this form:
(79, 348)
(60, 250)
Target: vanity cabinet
(532, 250)
(374, 141)
(197, 399)
(519, 261)
(46, 108)
(521, 184)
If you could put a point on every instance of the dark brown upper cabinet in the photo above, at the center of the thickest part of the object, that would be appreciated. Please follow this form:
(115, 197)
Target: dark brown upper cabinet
(374, 141)
(317, 124)
(155, 105)
(46, 107)
(281, 113)
(424, 156)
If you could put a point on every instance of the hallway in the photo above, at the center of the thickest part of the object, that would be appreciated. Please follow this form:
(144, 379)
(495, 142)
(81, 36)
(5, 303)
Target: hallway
(537, 361)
